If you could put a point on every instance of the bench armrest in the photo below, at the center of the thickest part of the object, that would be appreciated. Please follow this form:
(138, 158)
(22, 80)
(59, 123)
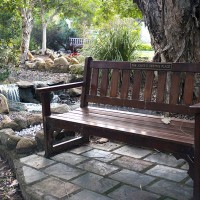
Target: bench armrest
(59, 87)
(195, 108)
(44, 95)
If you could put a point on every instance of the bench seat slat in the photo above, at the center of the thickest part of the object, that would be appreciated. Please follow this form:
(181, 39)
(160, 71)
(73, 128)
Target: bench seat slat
(128, 121)
(111, 123)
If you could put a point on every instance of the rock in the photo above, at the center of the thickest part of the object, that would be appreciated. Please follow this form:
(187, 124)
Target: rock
(22, 122)
(49, 64)
(76, 69)
(41, 65)
(61, 61)
(24, 84)
(34, 119)
(8, 123)
(76, 78)
(74, 92)
(39, 137)
(52, 56)
(102, 140)
(3, 104)
(30, 56)
(4, 135)
(63, 108)
(26, 145)
(68, 58)
(12, 141)
(30, 65)
(74, 61)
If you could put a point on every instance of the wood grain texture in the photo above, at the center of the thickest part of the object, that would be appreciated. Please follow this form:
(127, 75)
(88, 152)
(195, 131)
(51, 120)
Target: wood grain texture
(104, 82)
(114, 85)
(175, 88)
(125, 84)
(161, 87)
(136, 84)
(188, 89)
(148, 85)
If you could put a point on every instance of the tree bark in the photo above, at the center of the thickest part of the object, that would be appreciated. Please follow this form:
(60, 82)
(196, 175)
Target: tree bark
(27, 25)
(174, 27)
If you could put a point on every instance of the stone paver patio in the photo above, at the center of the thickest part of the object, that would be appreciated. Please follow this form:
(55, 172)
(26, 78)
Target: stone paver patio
(103, 172)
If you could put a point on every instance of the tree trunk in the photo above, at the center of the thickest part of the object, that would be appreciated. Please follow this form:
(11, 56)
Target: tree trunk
(27, 25)
(44, 38)
(174, 28)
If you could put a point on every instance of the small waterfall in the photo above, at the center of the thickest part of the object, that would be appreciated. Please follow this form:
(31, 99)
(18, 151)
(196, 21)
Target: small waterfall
(11, 92)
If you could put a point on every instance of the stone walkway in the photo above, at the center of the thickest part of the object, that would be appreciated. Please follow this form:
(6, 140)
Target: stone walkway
(103, 172)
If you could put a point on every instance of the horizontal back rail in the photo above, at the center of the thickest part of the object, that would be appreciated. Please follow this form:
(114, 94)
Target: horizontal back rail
(167, 87)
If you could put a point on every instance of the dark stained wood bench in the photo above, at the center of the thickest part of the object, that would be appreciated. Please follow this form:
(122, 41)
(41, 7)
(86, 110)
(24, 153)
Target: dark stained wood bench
(160, 87)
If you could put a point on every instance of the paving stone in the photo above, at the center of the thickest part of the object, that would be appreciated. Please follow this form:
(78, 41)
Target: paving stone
(185, 166)
(63, 171)
(168, 173)
(171, 189)
(81, 149)
(31, 175)
(132, 151)
(98, 167)
(190, 182)
(88, 195)
(49, 197)
(104, 156)
(165, 159)
(132, 163)
(126, 192)
(69, 158)
(134, 178)
(54, 187)
(108, 146)
(36, 161)
(95, 182)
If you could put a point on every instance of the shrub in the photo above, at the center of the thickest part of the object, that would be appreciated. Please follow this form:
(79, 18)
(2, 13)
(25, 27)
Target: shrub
(144, 47)
(115, 42)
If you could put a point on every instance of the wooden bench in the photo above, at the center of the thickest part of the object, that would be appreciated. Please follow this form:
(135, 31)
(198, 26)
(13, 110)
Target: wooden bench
(160, 87)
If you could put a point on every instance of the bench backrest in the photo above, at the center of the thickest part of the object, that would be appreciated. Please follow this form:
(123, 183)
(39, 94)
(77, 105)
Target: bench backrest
(167, 87)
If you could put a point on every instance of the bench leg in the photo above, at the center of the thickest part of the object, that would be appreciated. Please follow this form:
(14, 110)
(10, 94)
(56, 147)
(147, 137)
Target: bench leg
(197, 158)
(48, 141)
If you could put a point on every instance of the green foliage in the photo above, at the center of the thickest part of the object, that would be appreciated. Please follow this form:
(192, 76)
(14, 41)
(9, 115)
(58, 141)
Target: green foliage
(57, 36)
(4, 72)
(144, 47)
(115, 42)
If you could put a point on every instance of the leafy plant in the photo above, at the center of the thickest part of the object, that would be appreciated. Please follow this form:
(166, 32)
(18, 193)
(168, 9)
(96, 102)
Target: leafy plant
(4, 72)
(144, 47)
(115, 42)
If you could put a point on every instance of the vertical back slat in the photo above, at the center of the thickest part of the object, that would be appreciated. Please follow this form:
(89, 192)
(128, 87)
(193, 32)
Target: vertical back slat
(148, 85)
(104, 82)
(114, 83)
(162, 75)
(125, 84)
(94, 81)
(175, 88)
(136, 84)
(86, 79)
(188, 88)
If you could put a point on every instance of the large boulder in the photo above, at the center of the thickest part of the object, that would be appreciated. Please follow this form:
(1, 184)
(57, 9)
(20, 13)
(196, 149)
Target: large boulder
(41, 65)
(3, 104)
(49, 64)
(5, 134)
(30, 56)
(63, 108)
(26, 145)
(30, 65)
(26, 92)
(6, 122)
(61, 61)
(39, 137)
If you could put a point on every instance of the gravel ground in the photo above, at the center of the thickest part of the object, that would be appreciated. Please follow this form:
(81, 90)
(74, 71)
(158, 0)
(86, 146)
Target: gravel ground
(9, 188)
